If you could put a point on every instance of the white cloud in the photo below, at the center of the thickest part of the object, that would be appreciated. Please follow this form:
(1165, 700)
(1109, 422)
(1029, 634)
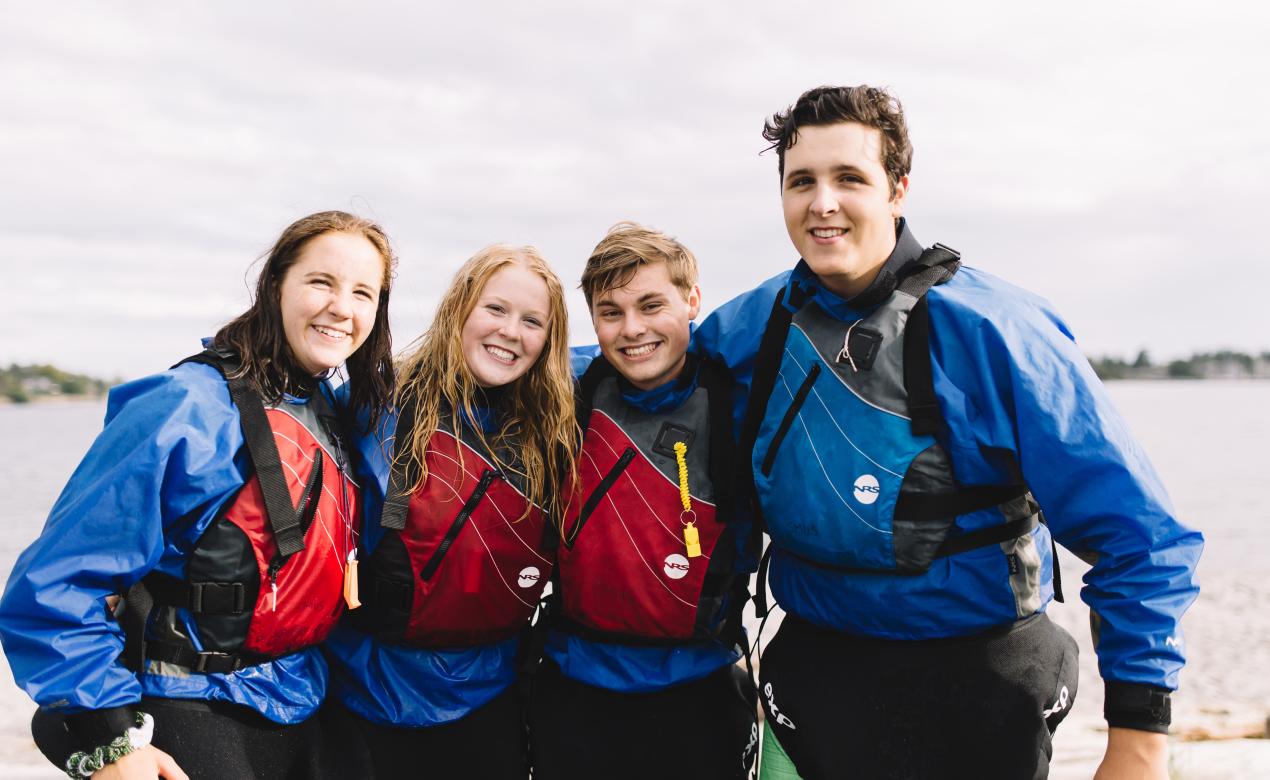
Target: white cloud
(1109, 156)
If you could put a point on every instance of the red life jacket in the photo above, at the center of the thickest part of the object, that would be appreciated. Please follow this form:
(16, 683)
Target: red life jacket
(624, 568)
(266, 578)
(458, 564)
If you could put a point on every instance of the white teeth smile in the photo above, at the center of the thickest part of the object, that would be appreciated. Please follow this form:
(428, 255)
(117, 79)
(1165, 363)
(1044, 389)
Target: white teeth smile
(499, 353)
(827, 232)
(333, 334)
(639, 351)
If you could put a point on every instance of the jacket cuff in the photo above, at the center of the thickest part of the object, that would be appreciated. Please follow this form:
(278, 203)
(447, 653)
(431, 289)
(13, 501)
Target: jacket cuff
(1137, 706)
(94, 728)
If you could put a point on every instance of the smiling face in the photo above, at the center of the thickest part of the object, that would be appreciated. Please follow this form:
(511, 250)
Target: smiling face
(642, 326)
(838, 205)
(507, 328)
(328, 298)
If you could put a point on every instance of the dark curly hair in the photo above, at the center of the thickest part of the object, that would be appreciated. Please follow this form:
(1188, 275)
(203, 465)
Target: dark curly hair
(257, 335)
(870, 106)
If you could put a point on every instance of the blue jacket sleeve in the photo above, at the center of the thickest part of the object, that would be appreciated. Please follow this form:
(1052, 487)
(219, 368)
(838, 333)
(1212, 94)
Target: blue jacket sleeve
(166, 452)
(731, 335)
(1010, 376)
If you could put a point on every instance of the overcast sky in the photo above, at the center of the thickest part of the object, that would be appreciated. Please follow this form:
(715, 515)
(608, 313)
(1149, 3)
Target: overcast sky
(1112, 156)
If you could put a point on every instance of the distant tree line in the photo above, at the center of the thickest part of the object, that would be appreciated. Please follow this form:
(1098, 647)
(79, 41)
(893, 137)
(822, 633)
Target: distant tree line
(21, 384)
(1224, 364)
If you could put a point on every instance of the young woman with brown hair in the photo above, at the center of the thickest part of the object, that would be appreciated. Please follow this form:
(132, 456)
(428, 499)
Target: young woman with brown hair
(217, 499)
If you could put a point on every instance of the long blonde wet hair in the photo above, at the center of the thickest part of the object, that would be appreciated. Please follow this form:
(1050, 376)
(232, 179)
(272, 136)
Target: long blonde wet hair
(537, 420)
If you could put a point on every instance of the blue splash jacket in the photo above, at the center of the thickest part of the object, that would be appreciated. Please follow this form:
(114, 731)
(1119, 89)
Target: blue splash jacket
(1008, 375)
(171, 454)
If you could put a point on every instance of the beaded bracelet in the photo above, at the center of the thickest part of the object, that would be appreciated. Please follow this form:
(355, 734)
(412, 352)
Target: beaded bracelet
(84, 764)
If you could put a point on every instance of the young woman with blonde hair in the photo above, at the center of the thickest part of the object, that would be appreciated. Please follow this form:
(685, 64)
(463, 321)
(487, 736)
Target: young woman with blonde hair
(460, 504)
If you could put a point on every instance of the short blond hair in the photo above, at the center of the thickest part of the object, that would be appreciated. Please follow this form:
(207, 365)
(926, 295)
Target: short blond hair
(626, 247)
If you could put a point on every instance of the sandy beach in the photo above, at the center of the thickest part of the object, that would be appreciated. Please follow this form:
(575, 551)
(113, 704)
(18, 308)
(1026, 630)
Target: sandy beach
(1224, 697)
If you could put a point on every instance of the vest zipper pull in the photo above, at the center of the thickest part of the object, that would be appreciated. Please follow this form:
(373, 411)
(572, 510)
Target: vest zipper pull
(274, 566)
(350, 581)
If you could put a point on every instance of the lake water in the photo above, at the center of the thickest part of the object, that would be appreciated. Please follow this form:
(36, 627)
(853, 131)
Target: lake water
(1207, 439)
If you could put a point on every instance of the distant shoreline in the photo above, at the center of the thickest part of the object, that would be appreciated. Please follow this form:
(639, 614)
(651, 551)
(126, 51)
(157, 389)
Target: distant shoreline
(51, 399)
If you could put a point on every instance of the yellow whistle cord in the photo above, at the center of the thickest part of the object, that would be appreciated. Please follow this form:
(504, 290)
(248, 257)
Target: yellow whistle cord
(692, 538)
(681, 450)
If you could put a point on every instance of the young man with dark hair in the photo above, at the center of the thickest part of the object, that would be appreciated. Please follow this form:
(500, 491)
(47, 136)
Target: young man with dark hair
(638, 678)
(906, 421)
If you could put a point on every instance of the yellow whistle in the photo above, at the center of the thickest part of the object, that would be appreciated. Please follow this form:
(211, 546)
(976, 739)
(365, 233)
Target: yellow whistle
(692, 540)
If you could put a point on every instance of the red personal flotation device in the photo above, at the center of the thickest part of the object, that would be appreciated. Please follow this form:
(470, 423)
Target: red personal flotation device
(460, 563)
(267, 576)
(627, 572)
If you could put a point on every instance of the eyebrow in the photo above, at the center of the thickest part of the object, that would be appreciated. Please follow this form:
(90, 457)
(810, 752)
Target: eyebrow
(839, 168)
(501, 301)
(645, 298)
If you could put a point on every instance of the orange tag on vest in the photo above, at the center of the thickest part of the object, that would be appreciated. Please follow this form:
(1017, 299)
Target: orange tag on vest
(350, 584)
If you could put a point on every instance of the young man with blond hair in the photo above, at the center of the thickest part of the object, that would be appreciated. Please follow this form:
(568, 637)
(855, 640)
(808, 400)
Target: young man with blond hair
(638, 678)
(908, 419)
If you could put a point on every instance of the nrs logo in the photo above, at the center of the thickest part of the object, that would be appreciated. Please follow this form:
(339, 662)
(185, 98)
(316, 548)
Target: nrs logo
(675, 566)
(529, 577)
(867, 489)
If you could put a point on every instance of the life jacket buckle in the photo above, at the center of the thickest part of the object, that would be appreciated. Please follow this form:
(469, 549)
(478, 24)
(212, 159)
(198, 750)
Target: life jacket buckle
(220, 663)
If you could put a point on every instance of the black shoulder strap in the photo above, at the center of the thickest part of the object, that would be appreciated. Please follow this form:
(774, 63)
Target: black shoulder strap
(599, 370)
(284, 520)
(397, 502)
(767, 363)
(935, 266)
(716, 380)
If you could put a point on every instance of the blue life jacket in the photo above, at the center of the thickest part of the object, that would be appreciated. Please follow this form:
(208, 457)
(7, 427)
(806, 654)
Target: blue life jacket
(876, 490)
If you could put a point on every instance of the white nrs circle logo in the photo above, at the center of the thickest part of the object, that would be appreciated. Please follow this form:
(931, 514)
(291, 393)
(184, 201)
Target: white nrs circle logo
(676, 566)
(867, 489)
(529, 577)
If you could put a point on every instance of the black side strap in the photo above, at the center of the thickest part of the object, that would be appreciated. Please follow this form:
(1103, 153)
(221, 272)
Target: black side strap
(205, 598)
(963, 501)
(208, 662)
(984, 537)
